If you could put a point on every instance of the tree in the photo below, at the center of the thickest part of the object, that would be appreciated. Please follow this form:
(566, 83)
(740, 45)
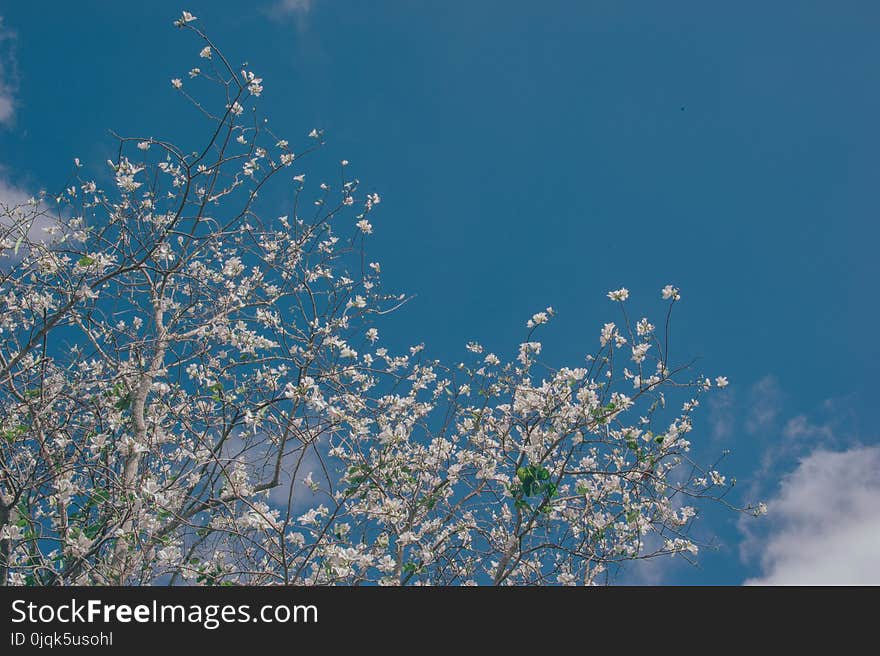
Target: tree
(193, 390)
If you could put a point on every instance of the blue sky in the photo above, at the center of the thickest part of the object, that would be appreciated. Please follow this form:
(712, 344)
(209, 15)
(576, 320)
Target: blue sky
(533, 154)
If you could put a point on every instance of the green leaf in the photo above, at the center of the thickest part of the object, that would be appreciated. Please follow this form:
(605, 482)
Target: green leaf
(91, 531)
(85, 261)
(18, 244)
(12, 434)
(632, 516)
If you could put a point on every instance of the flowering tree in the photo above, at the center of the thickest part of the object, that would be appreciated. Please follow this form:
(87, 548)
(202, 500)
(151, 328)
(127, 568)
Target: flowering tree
(193, 390)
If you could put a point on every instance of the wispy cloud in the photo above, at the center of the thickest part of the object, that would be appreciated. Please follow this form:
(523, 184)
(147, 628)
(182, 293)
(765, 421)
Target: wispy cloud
(722, 415)
(5, 106)
(765, 400)
(11, 196)
(8, 75)
(19, 216)
(801, 427)
(824, 522)
(297, 10)
(294, 6)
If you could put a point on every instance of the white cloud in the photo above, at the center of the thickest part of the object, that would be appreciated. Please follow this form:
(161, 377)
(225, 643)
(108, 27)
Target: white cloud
(11, 196)
(260, 456)
(303, 464)
(824, 524)
(23, 214)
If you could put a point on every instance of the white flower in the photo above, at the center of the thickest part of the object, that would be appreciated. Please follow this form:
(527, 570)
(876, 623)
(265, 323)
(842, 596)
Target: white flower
(236, 108)
(537, 319)
(717, 479)
(144, 145)
(527, 348)
(168, 555)
(619, 294)
(314, 134)
(206, 52)
(240, 139)
(232, 267)
(194, 72)
(254, 83)
(11, 532)
(365, 227)
(176, 83)
(607, 333)
(639, 351)
(671, 292)
(286, 159)
(566, 578)
(721, 381)
(644, 328)
(299, 178)
(187, 17)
